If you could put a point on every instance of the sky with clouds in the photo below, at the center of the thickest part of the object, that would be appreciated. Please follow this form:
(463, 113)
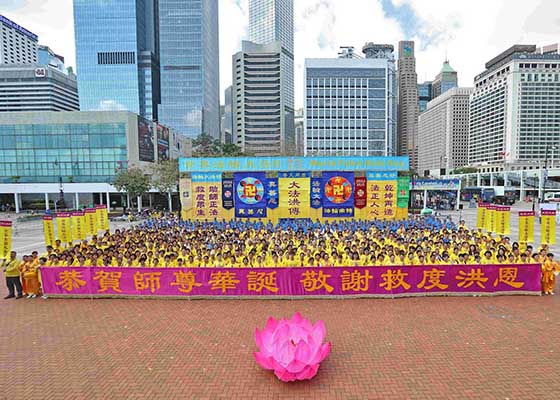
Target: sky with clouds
(469, 32)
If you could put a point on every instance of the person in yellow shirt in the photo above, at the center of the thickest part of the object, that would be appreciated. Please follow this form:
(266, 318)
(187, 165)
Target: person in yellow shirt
(12, 274)
(31, 278)
(550, 270)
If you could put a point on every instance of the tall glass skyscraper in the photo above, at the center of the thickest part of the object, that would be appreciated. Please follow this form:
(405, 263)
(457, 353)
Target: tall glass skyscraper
(273, 21)
(116, 55)
(189, 59)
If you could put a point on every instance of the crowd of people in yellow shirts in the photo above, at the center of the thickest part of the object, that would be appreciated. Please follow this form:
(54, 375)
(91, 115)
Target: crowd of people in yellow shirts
(169, 242)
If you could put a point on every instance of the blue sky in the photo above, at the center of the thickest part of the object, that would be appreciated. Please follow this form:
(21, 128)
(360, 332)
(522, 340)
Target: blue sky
(469, 32)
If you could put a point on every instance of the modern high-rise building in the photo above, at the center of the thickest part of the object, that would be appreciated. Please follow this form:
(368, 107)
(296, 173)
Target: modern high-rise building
(17, 44)
(443, 132)
(48, 57)
(258, 123)
(407, 103)
(36, 87)
(515, 110)
(424, 95)
(445, 80)
(350, 104)
(299, 131)
(189, 60)
(273, 21)
(226, 125)
(117, 55)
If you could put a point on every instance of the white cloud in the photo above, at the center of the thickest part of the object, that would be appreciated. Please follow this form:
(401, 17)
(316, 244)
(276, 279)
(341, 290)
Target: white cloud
(471, 32)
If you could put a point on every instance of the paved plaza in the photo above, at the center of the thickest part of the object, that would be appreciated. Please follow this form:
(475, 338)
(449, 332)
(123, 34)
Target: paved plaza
(414, 348)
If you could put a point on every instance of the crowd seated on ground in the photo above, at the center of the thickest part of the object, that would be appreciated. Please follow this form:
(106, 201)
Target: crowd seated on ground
(169, 242)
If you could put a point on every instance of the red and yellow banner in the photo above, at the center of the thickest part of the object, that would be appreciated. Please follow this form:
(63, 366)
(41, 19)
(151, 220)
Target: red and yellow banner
(207, 200)
(489, 220)
(548, 227)
(360, 192)
(5, 239)
(502, 220)
(295, 199)
(102, 217)
(526, 226)
(48, 230)
(78, 225)
(64, 227)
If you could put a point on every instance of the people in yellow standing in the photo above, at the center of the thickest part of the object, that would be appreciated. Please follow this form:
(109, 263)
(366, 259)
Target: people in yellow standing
(550, 270)
(12, 274)
(31, 279)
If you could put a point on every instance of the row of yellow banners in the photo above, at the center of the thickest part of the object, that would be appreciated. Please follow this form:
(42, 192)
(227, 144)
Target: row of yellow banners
(496, 219)
(76, 225)
(204, 200)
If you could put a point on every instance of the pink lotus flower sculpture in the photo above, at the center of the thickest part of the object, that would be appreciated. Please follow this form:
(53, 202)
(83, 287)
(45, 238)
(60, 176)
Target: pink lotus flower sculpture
(292, 348)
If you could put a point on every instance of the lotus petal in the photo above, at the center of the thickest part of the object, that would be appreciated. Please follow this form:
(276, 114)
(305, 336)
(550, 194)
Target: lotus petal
(263, 361)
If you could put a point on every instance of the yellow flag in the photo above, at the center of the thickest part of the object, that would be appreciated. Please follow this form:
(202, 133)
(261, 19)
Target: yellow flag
(91, 221)
(78, 225)
(295, 199)
(526, 226)
(64, 227)
(102, 217)
(501, 218)
(489, 222)
(548, 227)
(48, 229)
(5, 239)
(480, 216)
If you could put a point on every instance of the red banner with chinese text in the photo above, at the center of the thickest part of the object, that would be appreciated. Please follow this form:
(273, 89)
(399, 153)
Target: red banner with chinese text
(383, 281)
(360, 189)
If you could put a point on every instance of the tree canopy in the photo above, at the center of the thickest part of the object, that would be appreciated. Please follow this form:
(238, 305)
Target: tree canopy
(132, 181)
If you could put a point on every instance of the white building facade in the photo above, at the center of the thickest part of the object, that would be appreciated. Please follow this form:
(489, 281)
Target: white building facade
(17, 44)
(515, 111)
(443, 132)
(350, 107)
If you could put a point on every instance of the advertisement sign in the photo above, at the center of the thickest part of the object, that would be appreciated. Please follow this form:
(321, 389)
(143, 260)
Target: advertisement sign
(162, 142)
(338, 194)
(436, 184)
(145, 140)
(250, 194)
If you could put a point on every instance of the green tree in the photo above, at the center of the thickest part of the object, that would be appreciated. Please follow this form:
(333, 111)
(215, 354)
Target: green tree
(465, 170)
(166, 178)
(232, 150)
(132, 181)
(206, 146)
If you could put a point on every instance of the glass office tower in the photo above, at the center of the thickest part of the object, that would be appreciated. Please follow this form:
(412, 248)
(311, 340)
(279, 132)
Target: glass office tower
(273, 21)
(116, 55)
(189, 59)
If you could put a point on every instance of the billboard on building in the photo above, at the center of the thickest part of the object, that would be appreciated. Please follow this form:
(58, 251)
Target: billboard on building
(163, 142)
(145, 140)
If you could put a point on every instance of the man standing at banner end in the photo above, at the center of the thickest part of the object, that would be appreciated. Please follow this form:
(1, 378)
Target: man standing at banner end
(11, 271)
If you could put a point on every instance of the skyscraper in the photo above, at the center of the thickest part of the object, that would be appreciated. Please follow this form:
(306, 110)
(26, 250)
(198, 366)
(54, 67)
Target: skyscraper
(273, 21)
(445, 80)
(408, 103)
(17, 44)
(350, 104)
(515, 110)
(116, 55)
(258, 126)
(425, 94)
(189, 59)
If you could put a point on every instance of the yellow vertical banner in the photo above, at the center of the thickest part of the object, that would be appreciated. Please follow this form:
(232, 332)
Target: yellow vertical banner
(548, 226)
(75, 222)
(185, 193)
(295, 199)
(5, 239)
(64, 227)
(374, 200)
(207, 196)
(91, 221)
(381, 195)
(481, 216)
(501, 218)
(48, 230)
(102, 217)
(526, 226)
(490, 214)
